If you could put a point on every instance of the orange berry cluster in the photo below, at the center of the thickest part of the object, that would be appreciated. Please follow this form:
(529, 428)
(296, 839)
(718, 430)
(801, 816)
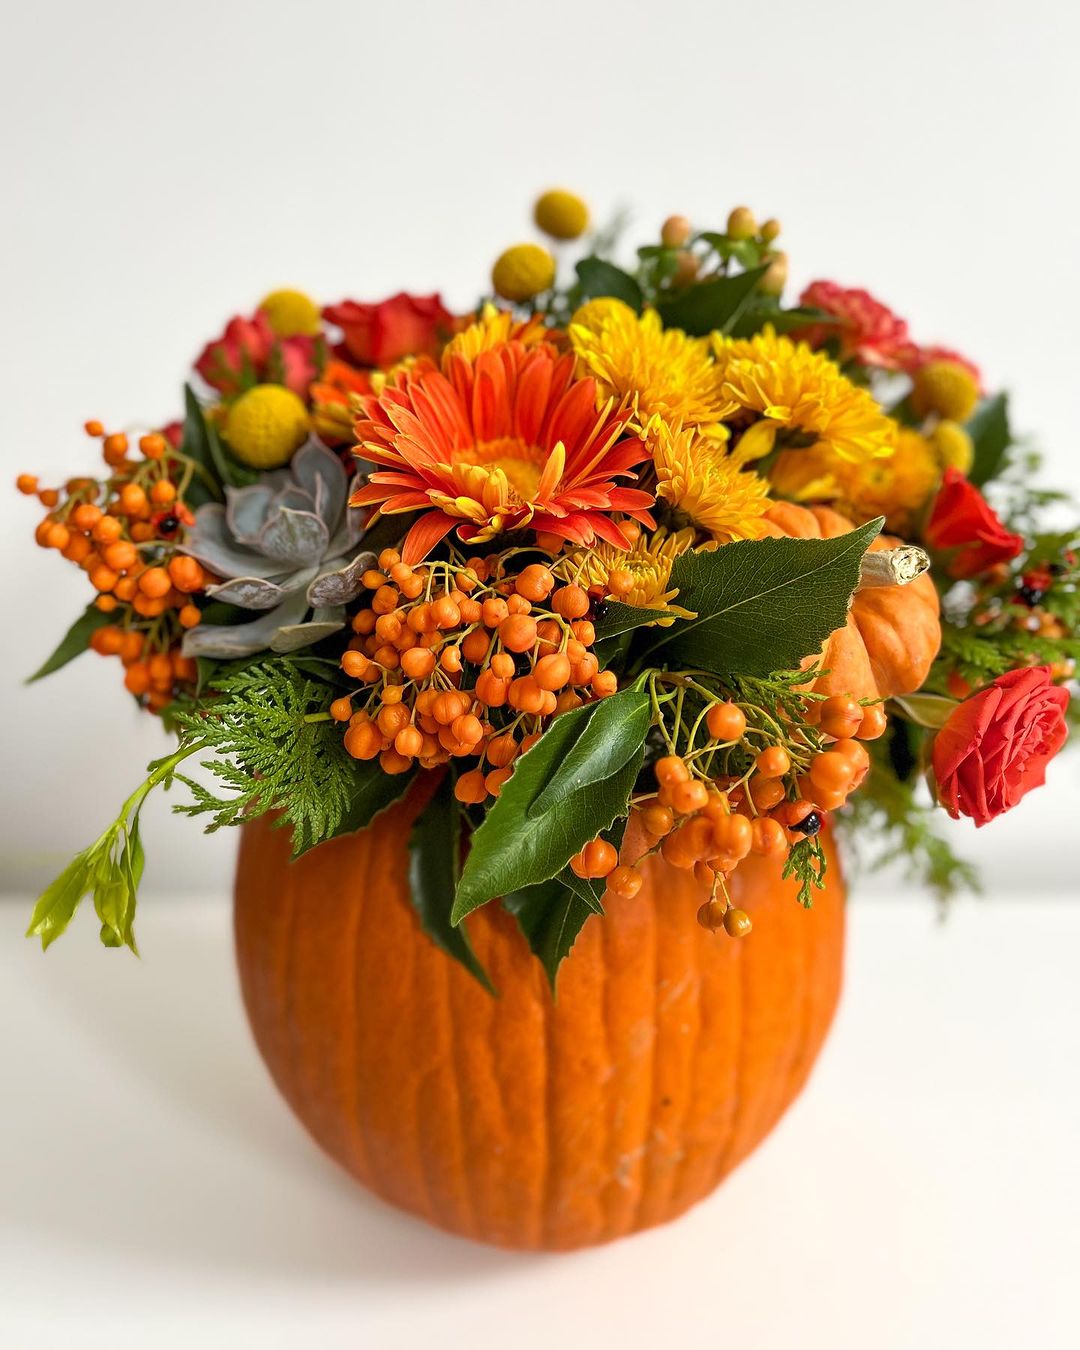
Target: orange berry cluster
(710, 825)
(123, 532)
(462, 661)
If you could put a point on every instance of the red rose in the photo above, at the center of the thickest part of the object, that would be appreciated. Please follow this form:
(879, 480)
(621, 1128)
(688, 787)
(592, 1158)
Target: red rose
(249, 353)
(379, 335)
(867, 329)
(962, 519)
(996, 745)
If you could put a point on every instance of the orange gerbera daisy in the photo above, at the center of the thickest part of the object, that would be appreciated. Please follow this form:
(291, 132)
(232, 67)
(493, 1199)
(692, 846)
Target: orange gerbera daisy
(503, 440)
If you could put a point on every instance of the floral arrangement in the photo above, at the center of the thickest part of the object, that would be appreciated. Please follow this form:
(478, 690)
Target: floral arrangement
(605, 552)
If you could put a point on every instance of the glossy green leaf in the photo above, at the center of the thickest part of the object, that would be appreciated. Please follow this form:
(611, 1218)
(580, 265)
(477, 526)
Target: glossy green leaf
(615, 618)
(514, 849)
(434, 867)
(710, 306)
(373, 791)
(597, 278)
(991, 437)
(59, 901)
(202, 443)
(74, 642)
(762, 604)
(551, 916)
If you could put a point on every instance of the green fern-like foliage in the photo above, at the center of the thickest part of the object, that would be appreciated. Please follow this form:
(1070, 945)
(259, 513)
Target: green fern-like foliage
(272, 749)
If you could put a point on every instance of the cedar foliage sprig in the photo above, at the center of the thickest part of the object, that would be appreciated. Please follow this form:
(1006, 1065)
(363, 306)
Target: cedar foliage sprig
(273, 748)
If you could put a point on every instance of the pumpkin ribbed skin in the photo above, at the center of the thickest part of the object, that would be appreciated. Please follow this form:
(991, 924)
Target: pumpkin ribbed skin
(668, 1055)
(892, 634)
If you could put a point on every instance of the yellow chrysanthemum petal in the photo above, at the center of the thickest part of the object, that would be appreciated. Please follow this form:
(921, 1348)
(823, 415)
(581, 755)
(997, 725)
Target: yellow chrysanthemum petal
(667, 376)
(649, 562)
(708, 483)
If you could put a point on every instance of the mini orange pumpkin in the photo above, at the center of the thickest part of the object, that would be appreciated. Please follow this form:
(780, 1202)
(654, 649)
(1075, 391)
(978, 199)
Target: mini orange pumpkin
(893, 633)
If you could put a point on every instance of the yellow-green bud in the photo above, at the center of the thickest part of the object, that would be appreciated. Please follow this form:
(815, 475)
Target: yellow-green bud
(741, 223)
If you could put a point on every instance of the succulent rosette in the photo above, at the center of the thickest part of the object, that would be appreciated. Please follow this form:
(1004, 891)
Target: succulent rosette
(284, 547)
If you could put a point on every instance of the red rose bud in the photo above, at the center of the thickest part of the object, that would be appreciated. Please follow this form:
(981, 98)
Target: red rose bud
(996, 745)
(248, 353)
(962, 520)
(379, 335)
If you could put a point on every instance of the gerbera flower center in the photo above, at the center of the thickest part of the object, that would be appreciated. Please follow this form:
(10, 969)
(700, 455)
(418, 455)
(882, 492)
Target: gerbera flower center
(521, 464)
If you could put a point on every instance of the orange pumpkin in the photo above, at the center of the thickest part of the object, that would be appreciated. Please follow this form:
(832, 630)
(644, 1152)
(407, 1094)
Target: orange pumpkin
(518, 1120)
(893, 633)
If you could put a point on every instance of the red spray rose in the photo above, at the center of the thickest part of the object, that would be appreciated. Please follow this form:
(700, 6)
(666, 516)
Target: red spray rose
(379, 335)
(996, 745)
(963, 520)
(248, 352)
(867, 329)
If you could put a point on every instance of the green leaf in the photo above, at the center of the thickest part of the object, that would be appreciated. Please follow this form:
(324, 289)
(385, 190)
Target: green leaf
(598, 277)
(711, 306)
(746, 252)
(74, 642)
(202, 443)
(991, 436)
(513, 849)
(434, 867)
(550, 915)
(610, 736)
(766, 310)
(763, 604)
(371, 793)
(615, 618)
(59, 901)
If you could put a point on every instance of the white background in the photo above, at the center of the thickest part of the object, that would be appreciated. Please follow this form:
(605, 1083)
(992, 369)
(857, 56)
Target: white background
(165, 167)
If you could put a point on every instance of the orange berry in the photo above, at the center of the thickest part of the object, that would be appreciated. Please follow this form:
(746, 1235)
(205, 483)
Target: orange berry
(106, 530)
(840, 716)
(392, 762)
(445, 613)
(137, 678)
(526, 695)
(57, 536)
(388, 558)
(27, 484)
(495, 780)
(597, 859)
(773, 762)
(163, 492)
(873, 723)
(831, 771)
(120, 556)
(363, 740)
(467, 728)
(93, 428)
(86, 516)
(106, 603)
(502, 750)
(153, 446)
(571, 602)
(767, 793)
(671, 770)
(711, 915)
(733, 835)
(604, 683)
(474, 646)
(567, 699)
(657, 819)
(372, 580)
(493, 611)
(49, 497)
(517, 604)
(552, 672)
(103, 578)
(725, 722)
(77, 548)
(502, 665)
(855, 754)
(341, 709)
(155, 582)
(793, 813)
(391, 719)
(133, 500)
(584, 632)
(491, 690)
(517, 632)
(190, 616)
(385, 599)
(689, 796)
(149, 606)
(737, 923)
(116, 446)
(535, 582)
(418, 663)
(620, 581)
(767, 837)
(471, 788)
(625, 882)
(409, 742)
(450, 660)
(109, 640)
(355, 665)
(583, 671)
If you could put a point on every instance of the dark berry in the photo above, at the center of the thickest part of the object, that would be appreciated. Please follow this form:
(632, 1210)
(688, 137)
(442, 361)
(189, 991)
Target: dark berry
(1030, 595)
(809, 825)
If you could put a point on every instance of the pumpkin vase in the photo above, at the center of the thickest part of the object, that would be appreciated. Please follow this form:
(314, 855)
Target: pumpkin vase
(520, 1119)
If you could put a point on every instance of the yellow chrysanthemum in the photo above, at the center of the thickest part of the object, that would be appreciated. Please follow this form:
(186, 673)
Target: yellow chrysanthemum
(670, 378)
(649, 562)
(802, 396)
(704, 480)
(493, 328)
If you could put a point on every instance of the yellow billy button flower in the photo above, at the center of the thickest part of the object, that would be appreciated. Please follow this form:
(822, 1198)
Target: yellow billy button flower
(522, 272)
(561, 214)
(266, 426)
(291, 314)
(953, 446)
(945, 388)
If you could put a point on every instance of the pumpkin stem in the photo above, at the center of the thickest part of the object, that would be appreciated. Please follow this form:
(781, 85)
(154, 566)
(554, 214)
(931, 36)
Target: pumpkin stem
(892, 566)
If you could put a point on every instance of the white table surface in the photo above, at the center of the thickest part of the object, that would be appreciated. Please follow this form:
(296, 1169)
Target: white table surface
(924, 1191)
